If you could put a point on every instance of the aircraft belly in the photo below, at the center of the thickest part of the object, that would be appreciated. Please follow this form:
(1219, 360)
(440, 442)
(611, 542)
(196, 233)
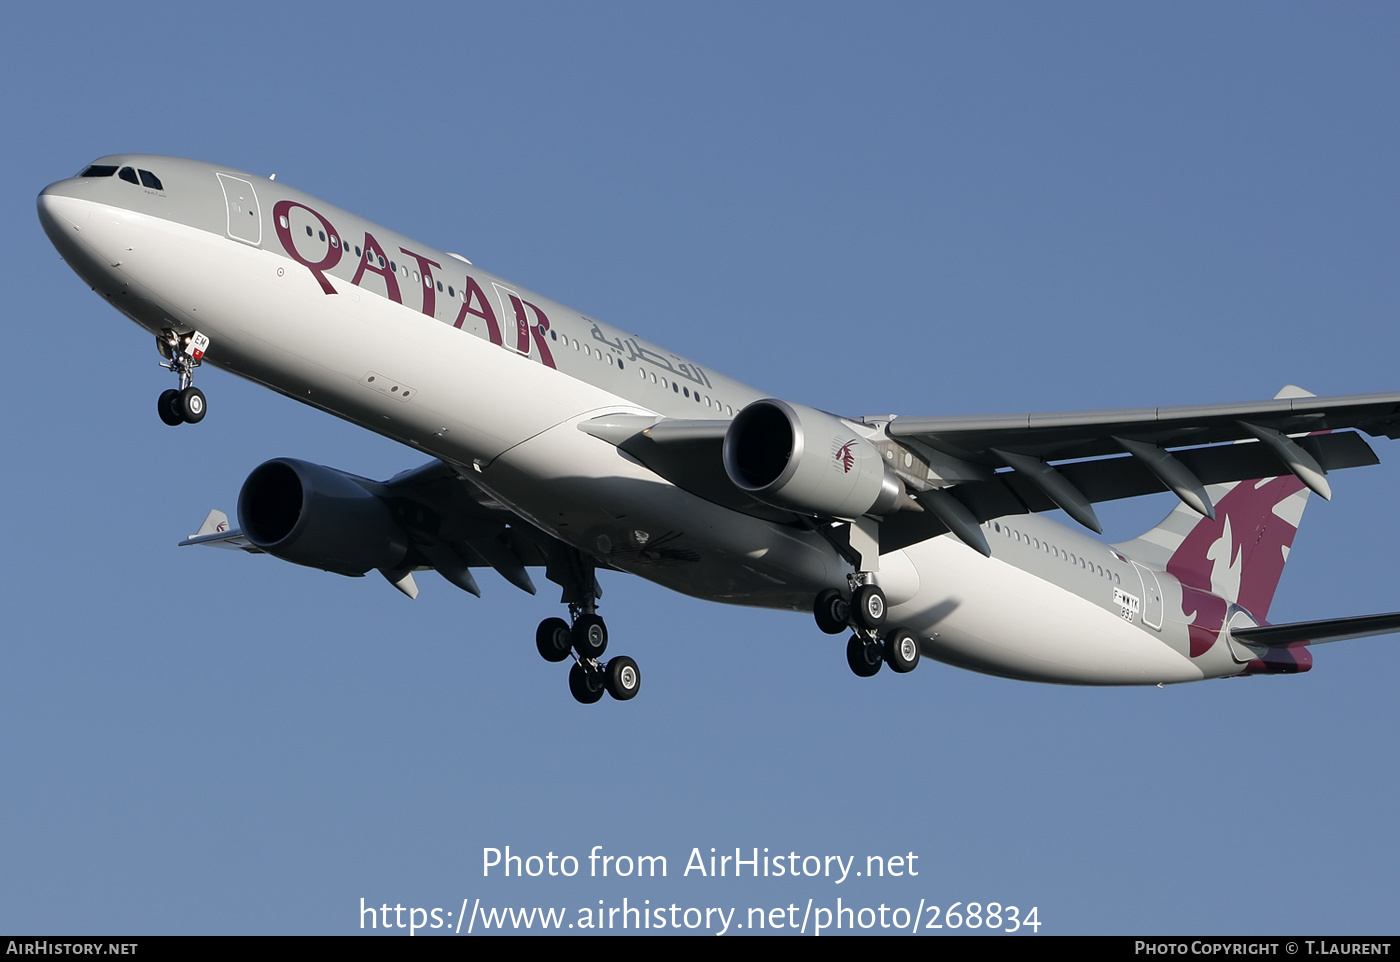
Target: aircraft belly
(990, 616)
(354, 353)
(591, 495)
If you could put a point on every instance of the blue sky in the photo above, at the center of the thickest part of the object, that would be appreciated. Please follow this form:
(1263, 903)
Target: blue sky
(915, 209)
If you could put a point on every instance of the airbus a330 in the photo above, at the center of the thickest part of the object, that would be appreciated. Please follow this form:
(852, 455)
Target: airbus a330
(560, 443)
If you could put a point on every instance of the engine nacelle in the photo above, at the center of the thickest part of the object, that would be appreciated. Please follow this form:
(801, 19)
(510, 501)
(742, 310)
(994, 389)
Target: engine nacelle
(805, 460)
(317, 516)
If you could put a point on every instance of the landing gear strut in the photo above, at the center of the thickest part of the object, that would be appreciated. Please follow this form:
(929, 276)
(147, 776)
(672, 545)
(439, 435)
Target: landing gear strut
(585, 635)
(183, 353)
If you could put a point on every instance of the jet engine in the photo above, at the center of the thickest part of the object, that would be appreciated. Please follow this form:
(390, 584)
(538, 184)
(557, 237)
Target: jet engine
(317, 516)
(805, 460)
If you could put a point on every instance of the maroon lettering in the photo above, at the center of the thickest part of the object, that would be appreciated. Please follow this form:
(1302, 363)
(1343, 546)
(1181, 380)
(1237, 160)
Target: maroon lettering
(375, 261)
(522, 326)
(429, 295)
(524, 330)
(472, 294)
(284, 234)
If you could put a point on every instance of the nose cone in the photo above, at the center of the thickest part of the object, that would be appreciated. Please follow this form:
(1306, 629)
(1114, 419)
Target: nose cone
(62, 213)
(67, 215)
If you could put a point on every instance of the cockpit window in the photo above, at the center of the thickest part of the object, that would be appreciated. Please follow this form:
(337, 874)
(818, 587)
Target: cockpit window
(128, 175)
(99, 170)
(150, 180)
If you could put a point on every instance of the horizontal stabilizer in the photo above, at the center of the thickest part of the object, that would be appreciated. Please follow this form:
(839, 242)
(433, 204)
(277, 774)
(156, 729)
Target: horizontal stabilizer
(1317, 632)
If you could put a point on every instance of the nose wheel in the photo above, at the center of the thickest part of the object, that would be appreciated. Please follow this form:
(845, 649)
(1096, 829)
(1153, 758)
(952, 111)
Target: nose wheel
(183, 353)
(185, 406)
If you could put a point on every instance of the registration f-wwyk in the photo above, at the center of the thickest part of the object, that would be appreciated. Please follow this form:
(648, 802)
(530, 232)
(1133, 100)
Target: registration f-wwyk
(557, 442)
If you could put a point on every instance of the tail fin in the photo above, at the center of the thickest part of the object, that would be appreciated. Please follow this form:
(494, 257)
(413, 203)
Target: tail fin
(1240, 555)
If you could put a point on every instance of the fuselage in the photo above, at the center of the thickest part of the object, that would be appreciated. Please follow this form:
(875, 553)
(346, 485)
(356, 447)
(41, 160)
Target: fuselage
(421, 346)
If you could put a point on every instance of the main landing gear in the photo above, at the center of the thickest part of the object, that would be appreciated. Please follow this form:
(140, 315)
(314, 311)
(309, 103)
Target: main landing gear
(183, 353)
(872, 644)
(584, 637)
(585, 641)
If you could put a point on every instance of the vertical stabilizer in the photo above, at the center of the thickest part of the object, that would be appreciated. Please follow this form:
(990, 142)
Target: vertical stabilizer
(1240, 555)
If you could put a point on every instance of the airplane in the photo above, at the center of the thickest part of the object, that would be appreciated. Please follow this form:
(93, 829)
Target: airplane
(559, 442)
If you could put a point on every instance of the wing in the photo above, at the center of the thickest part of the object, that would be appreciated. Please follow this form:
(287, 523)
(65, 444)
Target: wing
(965, 470)
(1001, 464)
(452, 526)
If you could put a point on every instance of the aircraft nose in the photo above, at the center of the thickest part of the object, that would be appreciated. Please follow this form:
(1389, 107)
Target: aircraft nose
(60, 212)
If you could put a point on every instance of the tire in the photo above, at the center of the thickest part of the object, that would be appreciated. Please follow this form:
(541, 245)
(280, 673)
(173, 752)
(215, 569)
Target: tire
(553, 639)
(168, 406)
(864, 659)
(833, 612)
(579, 686)
(902, 650)
(868, 606)
(590, 636)
(624, 679)
(192, 405)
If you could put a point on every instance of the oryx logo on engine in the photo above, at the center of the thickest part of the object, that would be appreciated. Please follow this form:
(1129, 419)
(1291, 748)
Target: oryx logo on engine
(843, 455)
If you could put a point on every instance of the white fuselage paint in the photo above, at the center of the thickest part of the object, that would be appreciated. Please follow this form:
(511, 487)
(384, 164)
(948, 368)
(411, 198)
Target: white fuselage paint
(510, 422)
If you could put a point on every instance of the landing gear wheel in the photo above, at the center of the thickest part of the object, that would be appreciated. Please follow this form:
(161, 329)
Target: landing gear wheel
(192, 405)
(590, 636)
(168, 406)
(553, 639)
(902, 650)
(585, 685)
(832, 611)
(868, 606)
(624, 679)
(863, 658)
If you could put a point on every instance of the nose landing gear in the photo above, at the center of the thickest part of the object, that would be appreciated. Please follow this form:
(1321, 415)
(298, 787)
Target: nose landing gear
(183, 353)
